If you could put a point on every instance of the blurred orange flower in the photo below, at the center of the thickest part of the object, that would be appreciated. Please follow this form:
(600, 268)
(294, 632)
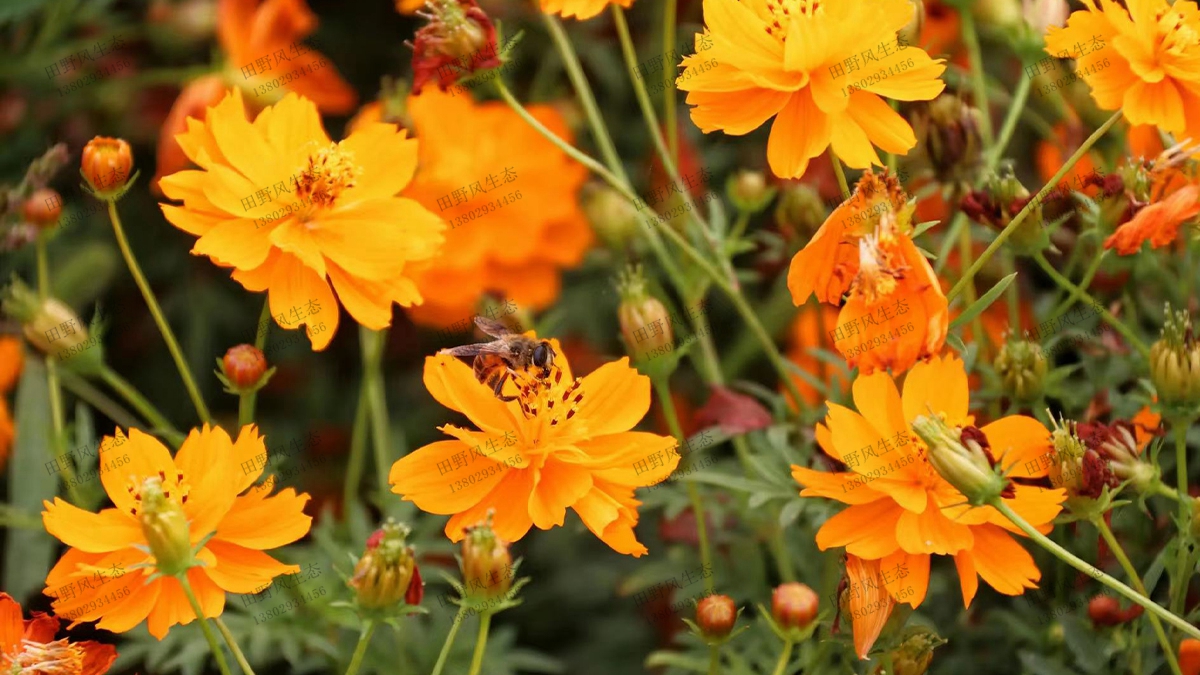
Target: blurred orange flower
(509, 196)
(895, 313)
(901, 511)
(108, 573)
(821, 88)
(810, 330)
(28, 646)
(11, 362)
(300, 216)
(1171, 186)
(576, 450)
(580, 9)
(261, 39)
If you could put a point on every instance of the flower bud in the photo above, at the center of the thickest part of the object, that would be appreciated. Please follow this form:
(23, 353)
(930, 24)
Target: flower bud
(645, 323)
(1040, 15)
(948, 132)
(106, 164)
(165, 526)
(999, 202)
(1175, 362)
(386, 574)
(611, 215)
(486, 563)
(43, 208)
(716, 614)
(458, 41)
(793, 605)
(749, 192)
(914, 653)
(1105, 610)
(963, 458)
(1022, 370)
(54, 329)
(244, 367)
(800, 211)
(1189, 657)
(1066, 471)
(997, 13)
(1116, 444)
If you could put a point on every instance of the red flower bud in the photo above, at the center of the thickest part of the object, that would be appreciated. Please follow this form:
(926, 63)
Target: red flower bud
(43, 208)
(793, 605)
(1105, 610)
(244, 366)
(716, 615)
(416, 587)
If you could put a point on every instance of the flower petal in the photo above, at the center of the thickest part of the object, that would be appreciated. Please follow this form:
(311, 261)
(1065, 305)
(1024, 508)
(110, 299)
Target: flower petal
(615, 398)
(432, 479)
(931, 532)
(134, 458)
(1002, 562)
(1017, 442)
(102, 532)
(630, 458)
(451, 383)
(243, 570)
(866, 530)
(244, 523)
(939, 384)
(799, 133)
(557, 485)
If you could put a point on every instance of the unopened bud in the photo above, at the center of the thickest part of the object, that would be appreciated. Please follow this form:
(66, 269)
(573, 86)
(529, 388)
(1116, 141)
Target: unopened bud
(107, 164)
(961, 457)
(914, 653)
(1105, 610)
(486, 562)
(387, 573)
(43, 208)
(54, 329)
(165, 526)
(611, 215)
(800, 211)
(716, 614)
(645, 323)
(749, 192)
(1022, 370)
(1040, 15)
(1189, 657)
(948, 132)
(1175, 362)
(244, 367)
(794, 605)
(1001, 199)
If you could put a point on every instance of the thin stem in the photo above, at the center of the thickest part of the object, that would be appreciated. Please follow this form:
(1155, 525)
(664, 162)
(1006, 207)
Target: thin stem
(360, 650)
(246, 402)
(781, 665)
(1070, 558)
(1037, 199)
(586, 99)
(373, 343)
(213, 645)
(233, 646)
(669, 12)
(1013, 296)
(974, 54)
(1010, 121)
(964, 255)
(1072, 296)
(358, 447)
(144, 407)
(668, 406)
(485, 620)
(1155, 623)
(1183, 568)
(168, 336)
(840, 173)
(714, 659)
(1111, 320)
(99, 400)
(441, 662)
(53, 387)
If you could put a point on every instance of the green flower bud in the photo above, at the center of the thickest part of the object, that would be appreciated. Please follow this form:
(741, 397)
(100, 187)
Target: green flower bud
(1175, 363)
(961, 456)
(748, 190)
(612, 216)
(800, 211)
(1022, 370)
(387, 574)
(165, 526)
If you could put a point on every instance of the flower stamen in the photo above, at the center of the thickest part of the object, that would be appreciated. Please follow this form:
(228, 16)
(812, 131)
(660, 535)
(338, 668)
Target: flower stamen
(59, 657)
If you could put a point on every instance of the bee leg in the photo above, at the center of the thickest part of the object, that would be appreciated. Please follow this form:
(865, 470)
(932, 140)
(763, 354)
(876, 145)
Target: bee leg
(498, 388)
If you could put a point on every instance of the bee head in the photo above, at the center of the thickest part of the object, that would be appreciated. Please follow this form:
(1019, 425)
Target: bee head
(543, 354)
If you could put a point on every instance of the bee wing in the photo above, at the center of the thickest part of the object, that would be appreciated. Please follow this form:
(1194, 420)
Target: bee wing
(493, 327)
(477, 349)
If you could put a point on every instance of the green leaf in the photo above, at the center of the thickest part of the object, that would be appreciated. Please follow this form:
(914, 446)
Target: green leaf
(676, 660)
(735, 483)
(984, 302)
(29, 553)
(922, 228)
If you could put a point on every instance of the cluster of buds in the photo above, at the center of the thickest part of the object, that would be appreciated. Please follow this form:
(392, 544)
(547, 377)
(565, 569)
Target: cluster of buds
(55, 329)
(1022, 370)
(458, 40)
(964, 458)
(948, 132)
(998, 203)
(244, 370)
(1175, 364)
(387, 574)
(645, 322)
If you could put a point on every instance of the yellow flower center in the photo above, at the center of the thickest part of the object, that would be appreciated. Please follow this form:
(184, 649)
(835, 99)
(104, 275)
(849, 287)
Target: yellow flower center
(878, 272)
(779, 14)
(550, 398)
(157, 492)
(1177, 36)
(50, 658)
(327, 174)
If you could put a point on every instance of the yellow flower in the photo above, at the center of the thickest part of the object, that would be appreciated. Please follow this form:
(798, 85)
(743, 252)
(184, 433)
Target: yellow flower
(299, 216)
(580, 9)
(821, 68)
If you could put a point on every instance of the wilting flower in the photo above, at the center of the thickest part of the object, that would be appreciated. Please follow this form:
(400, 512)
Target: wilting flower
(518, 181)
(458, 40)
(203, 495)
(896, 313)
(261, 39)
(803, 62)
(563, 442)
(11, 361)
(901, 511)
(1163, 195)
(29, 646)
(580, 9)
(300, 216)
(1144, 62)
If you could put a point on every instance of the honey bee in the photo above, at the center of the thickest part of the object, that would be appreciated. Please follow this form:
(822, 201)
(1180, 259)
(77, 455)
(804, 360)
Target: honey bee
(509, 355)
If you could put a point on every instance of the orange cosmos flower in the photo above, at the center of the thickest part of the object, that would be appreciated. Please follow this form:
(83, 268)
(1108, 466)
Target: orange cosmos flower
(580, 9)
(896, 313)
(822, 69)
(1144, 61)
(11, 362)
(565, 443)
(300, 216)
(489, 175)
(28, 646)
(108, 573)
(261, 39)
(901, 511)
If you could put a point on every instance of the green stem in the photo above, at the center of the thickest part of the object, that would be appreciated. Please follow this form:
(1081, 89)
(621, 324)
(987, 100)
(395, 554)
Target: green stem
(1104, 313)
(964, 254)
(714, 660)
(669, 12)
(1029, 207)
(1155, 623)
(586, 99)
(381, 428)
(360, 650)
(1013, 296)
(144, 407)
(781, 665)
(437, 668)
(156, 312)
(840, 173)
(99, 400)
(246, 402)
(974, 54)
(1072, 296)
(485, 620)
(58, 426)
(1070, 558)
(1183, 569)
(664, 399)
(1010, 121)
(213, 645)
(233, 646)
(358, 447)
